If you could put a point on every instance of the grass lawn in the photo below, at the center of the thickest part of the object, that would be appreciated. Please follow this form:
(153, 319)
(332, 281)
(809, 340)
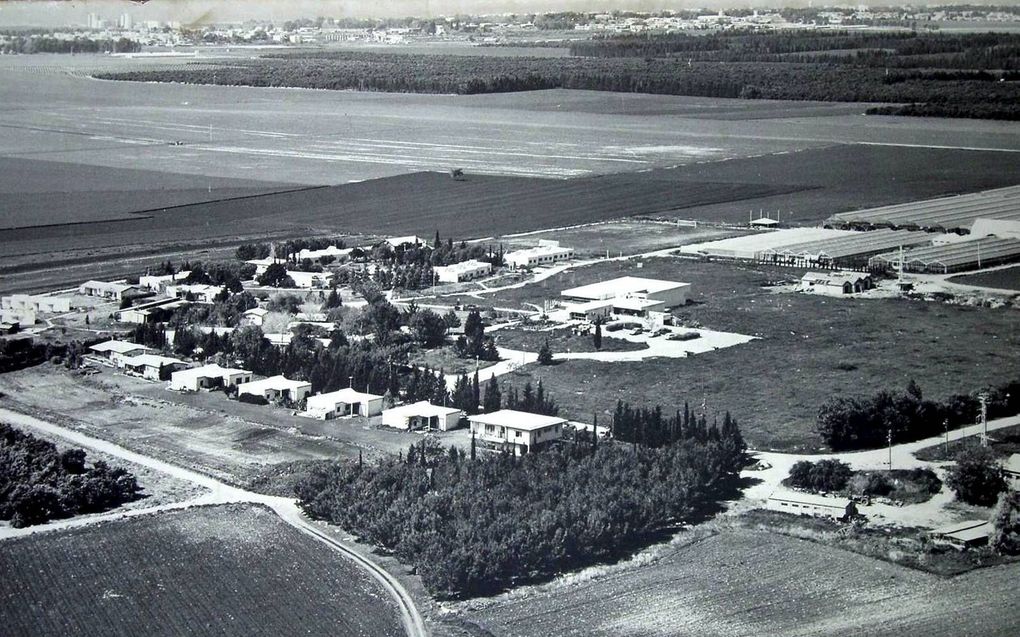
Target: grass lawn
(1004, 279)
(810, 349)
(446, 359)
(561, 340)
(1004, 442)
(227, 570)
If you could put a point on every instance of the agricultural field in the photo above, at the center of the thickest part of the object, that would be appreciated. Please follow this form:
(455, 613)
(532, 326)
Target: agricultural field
(1001, 279)
(207, 571)
(622, 237)
(809, 349)
(729, 584)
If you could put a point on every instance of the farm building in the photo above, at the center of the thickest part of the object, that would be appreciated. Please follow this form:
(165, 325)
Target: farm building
(835, 282)
(945, 213)
(208, 377)
(396, 242)
(105, 290)
(1011, 470)
(747, 247)
(591, 311)
(152, 366)
(262, 264)
(422, 415)
(276, 387)
(545, 253)
(633, 295)
(199, 292)
(310, 279)
(345, 402)
(962, 535)
(463, 271)
(117, 351)
(255, 316)
(764, 222)
(846, 251)
(40, 303)
(152, 312)
(157, 282)
(815, 505)
(517, 431)
(953, 257)
(331, 251)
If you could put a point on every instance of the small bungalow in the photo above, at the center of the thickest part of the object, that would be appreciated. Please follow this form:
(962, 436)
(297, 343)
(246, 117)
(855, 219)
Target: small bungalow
(345, 402)
(422, 415)
(208, 377)
(276, 387)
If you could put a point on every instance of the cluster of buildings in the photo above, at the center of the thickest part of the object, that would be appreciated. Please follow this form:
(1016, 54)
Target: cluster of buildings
(21, 310)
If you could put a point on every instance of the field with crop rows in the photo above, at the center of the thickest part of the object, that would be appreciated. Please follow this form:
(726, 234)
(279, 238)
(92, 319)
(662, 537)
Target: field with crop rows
(228, 570)
(750, 583)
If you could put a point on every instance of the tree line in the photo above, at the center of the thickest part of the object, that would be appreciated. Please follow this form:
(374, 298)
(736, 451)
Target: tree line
(39, 483)
(476, 525)
(867, 422)
(23, 44)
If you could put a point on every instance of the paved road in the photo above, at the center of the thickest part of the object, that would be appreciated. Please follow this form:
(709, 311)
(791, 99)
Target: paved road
(219, 493)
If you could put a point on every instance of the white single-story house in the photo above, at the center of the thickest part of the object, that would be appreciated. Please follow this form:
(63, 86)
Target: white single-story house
(276, 387)
(198, 292)
(331, 251)
(151, 312)
(310, 279)
(519, 431)
(422, 415)
(545, 253)
(208, 377)
(23, 317)
(809, 504)
(1011, 470)
(344, 402)
(963, 535)
(36, 303)
(464, 271)
(157, 282)
(262, 264)
(591, 311)
(665, 294)
(836, 282)
(117, 351)
(104, 289)
(255, 316)
(151, 365)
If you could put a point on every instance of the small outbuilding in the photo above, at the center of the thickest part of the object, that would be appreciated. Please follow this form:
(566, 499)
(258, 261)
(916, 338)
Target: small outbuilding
(208, 377)
(963, 535)
(276, 387)
(152, 366)
(797, 503)
(344, 402)
(422, 415)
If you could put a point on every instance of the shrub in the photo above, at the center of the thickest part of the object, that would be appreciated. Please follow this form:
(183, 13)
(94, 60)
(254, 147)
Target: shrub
(825, 475)
(252, 399)
(1006, 522)
(976, 478)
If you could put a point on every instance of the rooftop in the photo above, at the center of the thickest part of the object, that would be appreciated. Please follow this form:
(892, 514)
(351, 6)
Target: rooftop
(464, 266)
(522, 420)
(346, 395)
(209, 371)
(422, 408)
(279, 383)
(809, 498)
(965, 531)
(120, 287)
(151, 360)
(120, 347)
(622, 286)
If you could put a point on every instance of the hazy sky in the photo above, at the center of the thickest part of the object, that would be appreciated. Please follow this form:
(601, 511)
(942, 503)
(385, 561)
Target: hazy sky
(49, 13)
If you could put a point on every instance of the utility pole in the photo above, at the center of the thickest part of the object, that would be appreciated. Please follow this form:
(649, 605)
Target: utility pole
(889, 438)
(983, 397)
(350, 382)
(945, 423)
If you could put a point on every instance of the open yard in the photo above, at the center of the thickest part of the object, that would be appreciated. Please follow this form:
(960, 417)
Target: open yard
(562, 340)
(742, 582)
(227, 570)
(810, 348)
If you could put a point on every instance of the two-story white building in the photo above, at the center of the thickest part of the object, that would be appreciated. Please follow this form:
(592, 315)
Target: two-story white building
(545, 253)
(518, 431)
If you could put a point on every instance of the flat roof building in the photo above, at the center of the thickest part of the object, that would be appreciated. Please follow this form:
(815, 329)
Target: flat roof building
(546, 253)
(276, 387)
(665, 294)
(331, 251)
(463, 271)
(152, 312)
(343, 402)
(104, 289)
(198, 292)
(157, 282)
(208, 377)
(117, 351)
(422, 415)
(809, 504)
(963, 535)
(262, 264)
(36, 303)
(153, 366)
(518, 431)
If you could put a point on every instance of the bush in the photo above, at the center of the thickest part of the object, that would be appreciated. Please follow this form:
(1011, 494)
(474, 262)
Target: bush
(977, 478)
(252, 399)
(824, 475)
(1006, 522)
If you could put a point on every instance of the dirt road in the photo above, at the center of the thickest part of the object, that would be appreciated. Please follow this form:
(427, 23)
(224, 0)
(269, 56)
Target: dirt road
(219, 493)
